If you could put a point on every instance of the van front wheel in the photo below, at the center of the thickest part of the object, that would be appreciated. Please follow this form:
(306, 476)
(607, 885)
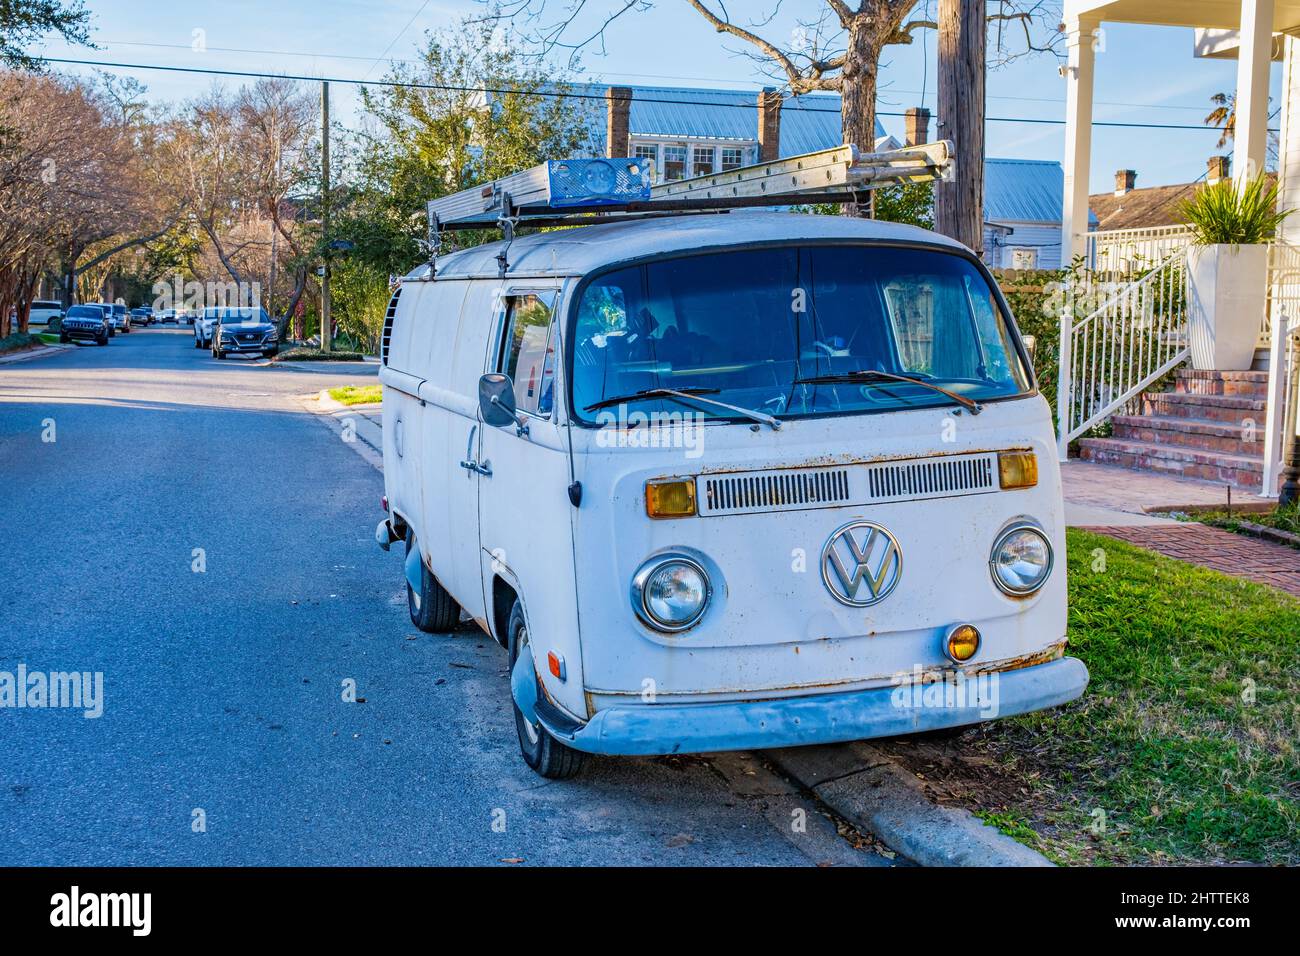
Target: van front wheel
(433, 610)
(546, 755)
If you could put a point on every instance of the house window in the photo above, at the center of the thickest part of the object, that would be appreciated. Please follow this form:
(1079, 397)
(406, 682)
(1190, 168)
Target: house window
(648, 152)
(732, 158)
(1022, 258)
(702, 160)
(674, 162)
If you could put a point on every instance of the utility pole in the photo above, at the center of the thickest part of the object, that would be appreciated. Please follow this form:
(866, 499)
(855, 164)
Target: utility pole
(959, 205)
(326, 324)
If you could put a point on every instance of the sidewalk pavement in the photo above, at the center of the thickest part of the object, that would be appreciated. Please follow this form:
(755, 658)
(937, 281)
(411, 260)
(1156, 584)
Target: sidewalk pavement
(1107, 495)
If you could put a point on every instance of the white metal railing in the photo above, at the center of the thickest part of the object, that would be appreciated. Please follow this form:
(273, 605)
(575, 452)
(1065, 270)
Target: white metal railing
(1115, 253)
(1281, 324)
(1136, 335)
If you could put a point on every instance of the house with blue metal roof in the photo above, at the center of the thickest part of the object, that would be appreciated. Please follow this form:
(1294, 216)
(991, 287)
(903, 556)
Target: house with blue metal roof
(693, 132)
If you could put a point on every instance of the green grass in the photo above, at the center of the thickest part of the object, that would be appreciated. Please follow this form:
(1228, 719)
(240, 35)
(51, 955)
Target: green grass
(49, 338)
(1164, 759)
(352, 395)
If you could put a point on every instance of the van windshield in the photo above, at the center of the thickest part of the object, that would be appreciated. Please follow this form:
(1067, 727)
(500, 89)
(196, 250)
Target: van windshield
(756, 325)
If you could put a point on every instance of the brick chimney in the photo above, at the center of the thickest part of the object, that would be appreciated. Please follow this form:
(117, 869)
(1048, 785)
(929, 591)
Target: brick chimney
(769, 125)
(1216, 169)
(916, 126)
(618, 124)
(1124, 180)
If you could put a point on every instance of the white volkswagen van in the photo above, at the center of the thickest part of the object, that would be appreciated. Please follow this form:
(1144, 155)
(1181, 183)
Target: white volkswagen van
(728, 481)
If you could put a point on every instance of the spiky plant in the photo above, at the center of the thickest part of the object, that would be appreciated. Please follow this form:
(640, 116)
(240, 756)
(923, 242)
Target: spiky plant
(1226, 213)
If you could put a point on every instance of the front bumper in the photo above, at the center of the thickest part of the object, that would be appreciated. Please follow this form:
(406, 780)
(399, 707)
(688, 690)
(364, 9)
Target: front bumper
(649, 729)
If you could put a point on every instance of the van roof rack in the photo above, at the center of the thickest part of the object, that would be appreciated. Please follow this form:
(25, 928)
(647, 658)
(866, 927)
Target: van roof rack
(583, 191)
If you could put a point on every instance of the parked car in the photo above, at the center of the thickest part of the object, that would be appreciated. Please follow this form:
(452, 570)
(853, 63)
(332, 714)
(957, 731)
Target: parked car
(839, 503)
(166, 315)
(43, 310)
(243, 331)
(106, 311)
(117, 315)
(204, 323)
(142, 316)
(85, 322)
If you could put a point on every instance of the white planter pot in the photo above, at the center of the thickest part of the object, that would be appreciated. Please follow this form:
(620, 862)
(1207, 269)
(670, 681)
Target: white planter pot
(1227, 296)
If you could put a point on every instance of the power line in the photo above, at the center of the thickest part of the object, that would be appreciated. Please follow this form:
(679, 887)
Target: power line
(345, 81)
(372, 60)
(401, 33)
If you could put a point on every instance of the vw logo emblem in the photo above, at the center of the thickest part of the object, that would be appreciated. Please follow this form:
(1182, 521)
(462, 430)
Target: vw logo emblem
(861, 564)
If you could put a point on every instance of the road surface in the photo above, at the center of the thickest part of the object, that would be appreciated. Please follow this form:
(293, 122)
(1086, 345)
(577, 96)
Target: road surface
(186, 528)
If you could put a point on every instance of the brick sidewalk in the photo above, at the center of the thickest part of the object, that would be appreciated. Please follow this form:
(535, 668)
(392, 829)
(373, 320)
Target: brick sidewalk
(1235, 554)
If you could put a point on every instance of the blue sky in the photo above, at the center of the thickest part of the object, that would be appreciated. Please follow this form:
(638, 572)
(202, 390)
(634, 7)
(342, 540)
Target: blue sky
(1144, 74)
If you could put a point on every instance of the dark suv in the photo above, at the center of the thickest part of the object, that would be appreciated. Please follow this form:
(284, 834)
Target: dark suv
(243, 330)
(85, 322)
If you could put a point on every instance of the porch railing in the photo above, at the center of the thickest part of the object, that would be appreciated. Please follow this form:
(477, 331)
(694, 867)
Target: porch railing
(1281, 325)
(1135, 334)
(1116, 254)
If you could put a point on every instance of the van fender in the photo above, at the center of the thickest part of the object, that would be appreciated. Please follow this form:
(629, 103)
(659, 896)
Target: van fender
(523, 686)
(414, 568)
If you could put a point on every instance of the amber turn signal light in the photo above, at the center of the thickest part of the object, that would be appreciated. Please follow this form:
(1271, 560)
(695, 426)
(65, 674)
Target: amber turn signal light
(1017, 469)
(962, 643)
(673, 498)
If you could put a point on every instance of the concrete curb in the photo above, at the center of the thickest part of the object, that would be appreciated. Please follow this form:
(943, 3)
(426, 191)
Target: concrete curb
(355, 429)
(868, 789)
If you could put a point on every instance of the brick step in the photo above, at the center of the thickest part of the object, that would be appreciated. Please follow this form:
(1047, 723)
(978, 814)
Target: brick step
(1235, 470)
(1205, 382)
(1232, 409)
(1202, 434)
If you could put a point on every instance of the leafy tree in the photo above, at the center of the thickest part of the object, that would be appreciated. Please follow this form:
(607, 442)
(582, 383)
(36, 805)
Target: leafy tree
(23, 22)
(439, 132)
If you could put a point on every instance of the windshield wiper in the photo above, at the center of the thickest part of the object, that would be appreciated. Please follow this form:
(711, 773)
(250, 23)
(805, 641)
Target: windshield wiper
(869, 376)
(689, 394)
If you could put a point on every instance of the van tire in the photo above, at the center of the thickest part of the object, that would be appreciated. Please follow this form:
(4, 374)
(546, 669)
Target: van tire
(433, 610)
(546, 755)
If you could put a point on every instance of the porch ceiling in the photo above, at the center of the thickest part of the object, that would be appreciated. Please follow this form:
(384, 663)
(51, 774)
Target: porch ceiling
(1220, 14)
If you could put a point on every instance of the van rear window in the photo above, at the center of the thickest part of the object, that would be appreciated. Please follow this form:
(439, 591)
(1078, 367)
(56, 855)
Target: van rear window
(752, 327)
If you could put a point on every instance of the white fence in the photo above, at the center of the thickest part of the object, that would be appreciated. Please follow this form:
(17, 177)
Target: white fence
(1281, 324)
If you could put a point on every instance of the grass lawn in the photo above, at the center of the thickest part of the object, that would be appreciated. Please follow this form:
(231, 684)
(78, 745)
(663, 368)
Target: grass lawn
(352, 395)
(1185, 747)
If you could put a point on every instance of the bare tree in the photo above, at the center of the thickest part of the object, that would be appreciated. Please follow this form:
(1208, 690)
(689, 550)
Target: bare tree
(836, 50)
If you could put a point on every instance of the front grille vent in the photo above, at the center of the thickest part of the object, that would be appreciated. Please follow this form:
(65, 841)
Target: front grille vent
(774, 491)
(930, 478)
(871, 483)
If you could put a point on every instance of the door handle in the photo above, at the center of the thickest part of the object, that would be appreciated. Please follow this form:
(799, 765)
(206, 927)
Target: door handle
(470, 464)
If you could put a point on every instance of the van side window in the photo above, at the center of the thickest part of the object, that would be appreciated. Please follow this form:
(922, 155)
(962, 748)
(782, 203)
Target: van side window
(529, 354)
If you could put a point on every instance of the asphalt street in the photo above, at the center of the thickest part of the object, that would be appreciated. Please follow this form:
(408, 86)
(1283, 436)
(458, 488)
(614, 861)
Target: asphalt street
(186, 527)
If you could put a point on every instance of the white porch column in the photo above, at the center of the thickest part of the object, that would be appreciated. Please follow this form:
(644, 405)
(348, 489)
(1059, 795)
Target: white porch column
(1078, 135)
(1250, 140)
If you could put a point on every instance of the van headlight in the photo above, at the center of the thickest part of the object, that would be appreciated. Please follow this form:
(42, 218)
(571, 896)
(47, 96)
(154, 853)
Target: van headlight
(670, 592)
(1021, 560)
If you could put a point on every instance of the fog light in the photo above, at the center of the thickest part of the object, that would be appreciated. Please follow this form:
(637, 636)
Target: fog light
(1017, 469)
(962, 643)
(673, 498)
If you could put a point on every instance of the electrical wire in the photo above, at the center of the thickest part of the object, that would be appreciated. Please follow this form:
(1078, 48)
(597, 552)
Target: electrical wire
(345, 81)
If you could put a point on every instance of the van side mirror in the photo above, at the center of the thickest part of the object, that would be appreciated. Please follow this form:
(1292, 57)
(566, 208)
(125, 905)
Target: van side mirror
(496, 400)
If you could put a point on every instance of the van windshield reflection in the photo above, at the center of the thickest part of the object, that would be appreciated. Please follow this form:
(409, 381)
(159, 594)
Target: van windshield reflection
(795, 331)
